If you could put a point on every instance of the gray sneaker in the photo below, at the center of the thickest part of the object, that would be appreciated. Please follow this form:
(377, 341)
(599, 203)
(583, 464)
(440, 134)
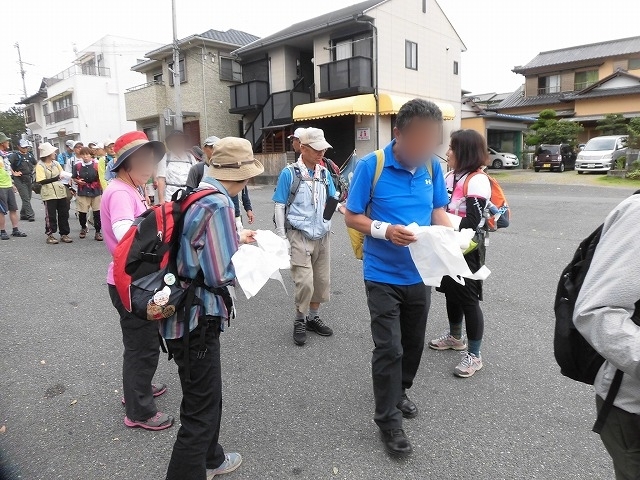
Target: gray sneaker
(446, 341)
(468, 366)
(231, 462)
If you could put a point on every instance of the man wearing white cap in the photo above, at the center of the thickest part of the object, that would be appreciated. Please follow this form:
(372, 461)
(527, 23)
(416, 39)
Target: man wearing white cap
(23, 163)
(301, 197)
(295, 139)
(196, 173)
(110, 158)
(67, 154)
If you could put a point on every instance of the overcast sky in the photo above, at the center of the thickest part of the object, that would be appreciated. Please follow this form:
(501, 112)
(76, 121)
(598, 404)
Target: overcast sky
(499, 34)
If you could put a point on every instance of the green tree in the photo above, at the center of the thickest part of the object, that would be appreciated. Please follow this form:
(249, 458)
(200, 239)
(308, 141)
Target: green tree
(633, 129)
(612, 124)
(12, 123)
(547, 129)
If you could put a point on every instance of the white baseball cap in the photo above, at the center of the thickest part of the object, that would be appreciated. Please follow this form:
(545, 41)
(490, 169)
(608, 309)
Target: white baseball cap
(24, 143)
(314, 138)
(108, 142)
(211, 141)
(296, 133)
(99, 145)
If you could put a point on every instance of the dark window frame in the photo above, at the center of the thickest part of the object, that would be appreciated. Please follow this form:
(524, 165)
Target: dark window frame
(183, 71)
(408, 55)
(456, 67)
(231, 78)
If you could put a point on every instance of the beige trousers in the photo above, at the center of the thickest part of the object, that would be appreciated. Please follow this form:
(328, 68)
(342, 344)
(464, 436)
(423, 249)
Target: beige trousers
(310, 269)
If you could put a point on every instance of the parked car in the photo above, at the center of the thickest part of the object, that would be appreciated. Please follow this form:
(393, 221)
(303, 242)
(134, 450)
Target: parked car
(555, 158)
(601, 153)
(501, 159)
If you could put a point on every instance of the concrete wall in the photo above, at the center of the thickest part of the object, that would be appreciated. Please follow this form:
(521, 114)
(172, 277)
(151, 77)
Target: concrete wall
(438, 48)
(602, 106)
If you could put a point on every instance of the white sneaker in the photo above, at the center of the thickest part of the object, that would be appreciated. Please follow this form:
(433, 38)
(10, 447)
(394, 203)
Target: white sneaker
(231, 462)
(468, 366)
(447, 341)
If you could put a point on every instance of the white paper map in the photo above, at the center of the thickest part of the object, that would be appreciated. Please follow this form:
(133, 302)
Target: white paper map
(255, 264)
(438, 253)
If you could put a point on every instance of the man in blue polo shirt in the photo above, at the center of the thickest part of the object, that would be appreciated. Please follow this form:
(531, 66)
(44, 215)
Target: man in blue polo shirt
(409, 190)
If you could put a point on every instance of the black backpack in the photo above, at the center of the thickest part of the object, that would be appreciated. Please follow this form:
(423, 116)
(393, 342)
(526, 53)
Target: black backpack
(577, 359)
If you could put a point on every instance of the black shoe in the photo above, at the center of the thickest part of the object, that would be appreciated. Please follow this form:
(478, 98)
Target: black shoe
(396, 442)
(32, 219)
(299, 332)
(4, 236)
(18, 233)
(407, 407)
(317, 325)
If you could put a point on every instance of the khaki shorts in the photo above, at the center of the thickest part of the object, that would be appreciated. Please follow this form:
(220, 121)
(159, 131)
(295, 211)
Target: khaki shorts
(83, 204)
(310, 269)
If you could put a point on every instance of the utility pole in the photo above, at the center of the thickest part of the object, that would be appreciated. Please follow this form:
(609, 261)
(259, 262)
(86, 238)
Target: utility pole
(22, 72)
(177, 119)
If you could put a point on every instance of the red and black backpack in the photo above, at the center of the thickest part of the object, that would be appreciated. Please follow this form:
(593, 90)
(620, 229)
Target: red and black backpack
(144, 262)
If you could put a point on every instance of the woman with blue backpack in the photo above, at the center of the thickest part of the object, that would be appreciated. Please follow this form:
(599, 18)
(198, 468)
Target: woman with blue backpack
(469, 191)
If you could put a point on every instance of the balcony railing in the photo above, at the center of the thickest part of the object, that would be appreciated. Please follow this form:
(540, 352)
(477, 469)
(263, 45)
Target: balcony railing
(546, 90)
(581, 85)
(80, 70)
(276, 111)
(248, 97)
(346, 77)
(62, 114)
(145, 85)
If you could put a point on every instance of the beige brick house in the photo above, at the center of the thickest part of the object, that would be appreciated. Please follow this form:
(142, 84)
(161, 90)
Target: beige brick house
(207, 69)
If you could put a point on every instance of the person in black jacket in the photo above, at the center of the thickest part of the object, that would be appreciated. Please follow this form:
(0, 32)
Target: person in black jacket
(469, 190)
(23, 163)
(197, 171)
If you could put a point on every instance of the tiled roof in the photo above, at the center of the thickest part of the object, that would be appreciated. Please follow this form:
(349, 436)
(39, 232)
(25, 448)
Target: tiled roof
(582, 53)
(605, 92)
(300, 28)
(517, 99)
(232, 37)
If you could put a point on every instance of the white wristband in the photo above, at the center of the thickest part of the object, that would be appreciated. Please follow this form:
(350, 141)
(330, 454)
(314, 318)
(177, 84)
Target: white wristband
(379, 229)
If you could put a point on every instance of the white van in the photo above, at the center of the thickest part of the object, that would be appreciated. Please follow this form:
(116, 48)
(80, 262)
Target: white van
(601, 153)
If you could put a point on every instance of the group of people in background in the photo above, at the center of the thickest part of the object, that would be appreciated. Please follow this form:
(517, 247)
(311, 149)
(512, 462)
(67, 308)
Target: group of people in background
(81, 173)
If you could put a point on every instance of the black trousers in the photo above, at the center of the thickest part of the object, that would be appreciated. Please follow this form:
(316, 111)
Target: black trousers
(56, 215)
(139, 362)
(398, 323)
(621, 438)
(196, 447)
(23, 184)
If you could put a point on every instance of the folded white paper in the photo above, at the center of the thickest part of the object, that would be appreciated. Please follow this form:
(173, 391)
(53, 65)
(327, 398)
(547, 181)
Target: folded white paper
(256, 264)
(438, 253)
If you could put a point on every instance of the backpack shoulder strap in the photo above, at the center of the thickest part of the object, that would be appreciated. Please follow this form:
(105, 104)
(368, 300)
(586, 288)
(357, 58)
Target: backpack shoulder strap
(379, 167)
(295, 183)
(430, 169)
(465, 187)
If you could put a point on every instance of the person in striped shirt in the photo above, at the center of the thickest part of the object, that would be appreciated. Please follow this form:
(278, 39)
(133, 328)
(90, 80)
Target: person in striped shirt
(208, 241)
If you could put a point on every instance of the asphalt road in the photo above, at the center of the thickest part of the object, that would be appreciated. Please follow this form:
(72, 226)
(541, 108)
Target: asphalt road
(305, 413)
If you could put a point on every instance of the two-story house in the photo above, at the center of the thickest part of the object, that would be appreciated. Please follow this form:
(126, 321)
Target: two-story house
(582, 83)
(86, 100)
(207, 68)
(326, 72)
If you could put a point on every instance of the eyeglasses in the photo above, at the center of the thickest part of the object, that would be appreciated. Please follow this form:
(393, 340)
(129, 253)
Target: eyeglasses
(232, 165)
(313, 149)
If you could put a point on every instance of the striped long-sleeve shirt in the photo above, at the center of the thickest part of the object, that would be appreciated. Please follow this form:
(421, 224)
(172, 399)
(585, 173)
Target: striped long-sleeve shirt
(208, 242)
